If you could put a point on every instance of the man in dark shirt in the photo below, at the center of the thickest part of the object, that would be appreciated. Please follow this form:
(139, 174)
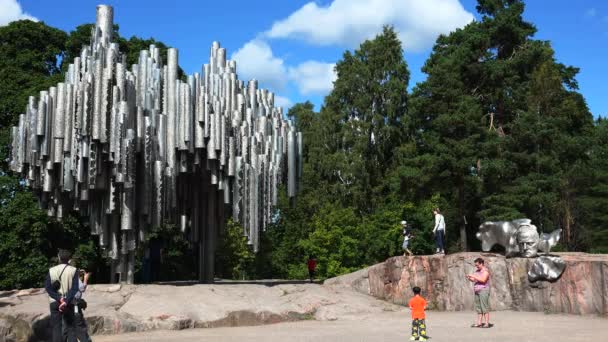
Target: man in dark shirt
(312, 266)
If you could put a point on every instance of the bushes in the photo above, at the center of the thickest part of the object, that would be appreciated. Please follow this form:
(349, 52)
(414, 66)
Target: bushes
(29, 240)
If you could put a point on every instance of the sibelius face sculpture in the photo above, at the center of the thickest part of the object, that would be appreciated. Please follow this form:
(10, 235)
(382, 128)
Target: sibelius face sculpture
(134, 147)
(520, 238)
(527, 240)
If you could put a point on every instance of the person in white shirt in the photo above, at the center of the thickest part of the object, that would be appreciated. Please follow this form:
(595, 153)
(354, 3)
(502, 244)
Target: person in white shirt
(439, 231)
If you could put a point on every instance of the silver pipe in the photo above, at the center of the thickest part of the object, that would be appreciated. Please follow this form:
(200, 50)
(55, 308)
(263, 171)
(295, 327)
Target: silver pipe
(98, 88)
(105, 23)
(42, 113)
(171, 105)
(291, 167)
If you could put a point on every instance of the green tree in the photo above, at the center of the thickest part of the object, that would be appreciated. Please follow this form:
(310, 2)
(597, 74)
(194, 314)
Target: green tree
(593, 216)
(497, 119)
(234, 258)
(547, 149)
(364, 118)
(30, 61)
(23, 233)
(343, 214)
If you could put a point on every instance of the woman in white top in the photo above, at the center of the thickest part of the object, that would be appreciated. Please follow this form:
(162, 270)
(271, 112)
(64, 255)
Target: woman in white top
(439, 231)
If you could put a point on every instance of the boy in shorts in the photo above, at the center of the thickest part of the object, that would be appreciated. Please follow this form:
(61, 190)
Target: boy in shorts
(407, 235)
(418, 305)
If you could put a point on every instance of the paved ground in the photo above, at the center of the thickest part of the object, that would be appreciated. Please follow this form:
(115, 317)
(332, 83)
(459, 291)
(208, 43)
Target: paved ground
(443, 326)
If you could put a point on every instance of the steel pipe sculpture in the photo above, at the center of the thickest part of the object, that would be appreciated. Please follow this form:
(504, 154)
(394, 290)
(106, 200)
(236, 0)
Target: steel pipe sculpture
(131, 148)
(520, 238)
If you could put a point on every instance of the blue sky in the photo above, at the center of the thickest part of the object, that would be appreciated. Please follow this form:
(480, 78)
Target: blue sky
(291, 46)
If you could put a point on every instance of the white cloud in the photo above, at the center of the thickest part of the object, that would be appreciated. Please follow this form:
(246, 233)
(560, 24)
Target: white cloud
(256, 60)
(284, 102)
(313, 77)
(349, 22)
(10, 10)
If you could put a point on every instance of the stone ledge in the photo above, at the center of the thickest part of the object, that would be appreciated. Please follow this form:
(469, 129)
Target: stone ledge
(582, 288)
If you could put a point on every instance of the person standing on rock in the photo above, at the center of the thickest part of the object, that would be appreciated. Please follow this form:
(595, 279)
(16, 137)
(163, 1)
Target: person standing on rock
(481, 287)
(418, 304)
(439, 231)
(61, 285)
(407, 234)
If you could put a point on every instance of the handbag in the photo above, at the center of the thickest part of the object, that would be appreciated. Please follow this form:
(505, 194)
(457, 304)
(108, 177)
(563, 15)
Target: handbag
(82, 304)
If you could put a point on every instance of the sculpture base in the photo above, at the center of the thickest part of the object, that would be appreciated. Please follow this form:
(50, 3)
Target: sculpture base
(582, 288)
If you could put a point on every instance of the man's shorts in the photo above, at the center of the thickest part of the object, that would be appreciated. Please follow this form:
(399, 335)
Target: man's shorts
(482, 301)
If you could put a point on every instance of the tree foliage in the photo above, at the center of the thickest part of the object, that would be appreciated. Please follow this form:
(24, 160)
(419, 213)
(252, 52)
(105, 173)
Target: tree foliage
(234, 258)
(30, 61)
(497, 131)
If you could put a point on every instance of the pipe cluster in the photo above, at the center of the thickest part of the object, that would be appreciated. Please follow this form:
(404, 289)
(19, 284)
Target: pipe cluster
(134, 148)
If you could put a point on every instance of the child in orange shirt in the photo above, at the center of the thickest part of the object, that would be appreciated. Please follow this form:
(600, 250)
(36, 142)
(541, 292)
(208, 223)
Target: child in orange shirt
(418, 305)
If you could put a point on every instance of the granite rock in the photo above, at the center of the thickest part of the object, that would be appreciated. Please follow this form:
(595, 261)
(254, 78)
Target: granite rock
(134, 308)
(581, 289)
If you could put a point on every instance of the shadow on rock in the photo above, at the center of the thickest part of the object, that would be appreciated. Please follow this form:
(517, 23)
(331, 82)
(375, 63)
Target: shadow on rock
(41, 330)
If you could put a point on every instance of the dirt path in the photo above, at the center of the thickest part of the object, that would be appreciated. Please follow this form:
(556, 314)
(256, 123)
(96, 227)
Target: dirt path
(443, 326)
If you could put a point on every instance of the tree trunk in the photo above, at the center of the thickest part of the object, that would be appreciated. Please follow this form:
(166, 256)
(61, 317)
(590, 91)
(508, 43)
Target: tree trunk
(567, 220)
(461, 214)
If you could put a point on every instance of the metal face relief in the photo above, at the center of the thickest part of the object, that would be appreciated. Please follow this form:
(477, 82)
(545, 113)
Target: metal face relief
(502, 233)
(548, 241)
(134, 147)
(520, 238)
(548, 268)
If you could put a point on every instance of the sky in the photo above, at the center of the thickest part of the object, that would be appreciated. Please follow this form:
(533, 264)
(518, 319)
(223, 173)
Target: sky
(291, 46)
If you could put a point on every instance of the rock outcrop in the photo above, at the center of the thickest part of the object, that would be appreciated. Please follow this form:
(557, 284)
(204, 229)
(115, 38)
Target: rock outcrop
(582, 288)
(114, 309)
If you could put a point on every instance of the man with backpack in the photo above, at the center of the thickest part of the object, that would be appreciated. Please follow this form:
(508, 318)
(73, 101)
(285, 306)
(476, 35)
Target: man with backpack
(62, 285)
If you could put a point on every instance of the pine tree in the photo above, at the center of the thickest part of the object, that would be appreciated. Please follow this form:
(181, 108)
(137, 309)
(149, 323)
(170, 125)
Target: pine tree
(365, 115)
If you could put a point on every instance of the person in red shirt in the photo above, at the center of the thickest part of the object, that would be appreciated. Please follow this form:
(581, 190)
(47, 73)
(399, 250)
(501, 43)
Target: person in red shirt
(312, 266)
(418, 305)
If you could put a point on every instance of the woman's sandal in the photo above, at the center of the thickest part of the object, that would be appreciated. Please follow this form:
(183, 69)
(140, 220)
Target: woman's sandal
(477, 325)
(489, 325)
